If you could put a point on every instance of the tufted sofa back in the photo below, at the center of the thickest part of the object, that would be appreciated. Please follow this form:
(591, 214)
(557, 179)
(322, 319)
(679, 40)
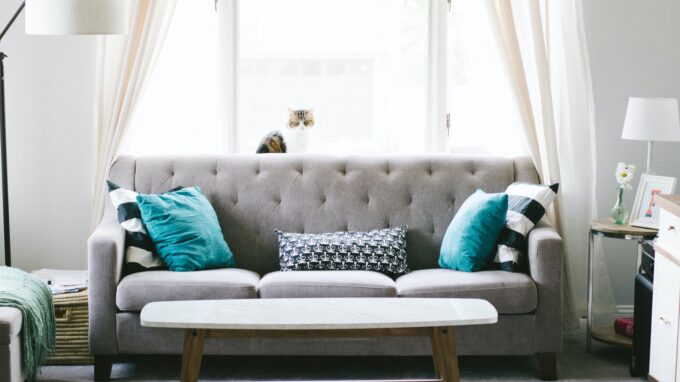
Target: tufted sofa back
(255, 194)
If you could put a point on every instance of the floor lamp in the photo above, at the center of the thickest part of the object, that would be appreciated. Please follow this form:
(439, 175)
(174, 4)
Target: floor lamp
(55, 17)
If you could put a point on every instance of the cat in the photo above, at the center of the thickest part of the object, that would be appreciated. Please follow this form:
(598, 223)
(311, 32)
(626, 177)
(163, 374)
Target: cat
(272, 143)
(295, 117)
(298, 137)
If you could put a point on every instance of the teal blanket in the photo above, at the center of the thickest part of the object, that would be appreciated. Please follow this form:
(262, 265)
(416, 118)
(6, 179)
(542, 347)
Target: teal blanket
(33, 298)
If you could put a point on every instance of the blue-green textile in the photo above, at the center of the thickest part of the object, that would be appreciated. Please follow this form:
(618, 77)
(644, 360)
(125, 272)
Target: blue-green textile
(33, 298)
(470, 241)
(184, 229)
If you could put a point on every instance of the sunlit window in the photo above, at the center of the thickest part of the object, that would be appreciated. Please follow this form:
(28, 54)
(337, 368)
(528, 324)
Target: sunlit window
(179, 110)
(484, 113)
(364, 68)
(361, 65)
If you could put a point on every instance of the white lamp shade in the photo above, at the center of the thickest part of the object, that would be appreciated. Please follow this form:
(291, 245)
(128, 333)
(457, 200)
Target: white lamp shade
(60, 17)
(652, 119)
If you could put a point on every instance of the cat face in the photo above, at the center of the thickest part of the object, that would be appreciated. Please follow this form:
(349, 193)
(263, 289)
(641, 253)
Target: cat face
(295, 117)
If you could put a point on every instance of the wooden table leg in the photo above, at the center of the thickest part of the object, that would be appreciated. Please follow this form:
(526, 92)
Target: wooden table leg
(436, 354)
(193, 352)
(444, 353)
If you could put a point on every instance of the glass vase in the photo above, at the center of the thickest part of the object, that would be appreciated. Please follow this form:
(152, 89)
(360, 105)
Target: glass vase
(619, 212)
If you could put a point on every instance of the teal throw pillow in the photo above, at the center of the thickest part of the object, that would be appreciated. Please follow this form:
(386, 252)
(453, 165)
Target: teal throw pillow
(470, 241)
(184, 229)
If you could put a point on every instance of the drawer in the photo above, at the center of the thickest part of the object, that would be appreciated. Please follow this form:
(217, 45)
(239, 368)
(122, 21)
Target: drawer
(669, 231)
(665, 315)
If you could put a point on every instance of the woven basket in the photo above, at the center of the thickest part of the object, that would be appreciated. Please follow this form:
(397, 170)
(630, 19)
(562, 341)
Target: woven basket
(72, 317)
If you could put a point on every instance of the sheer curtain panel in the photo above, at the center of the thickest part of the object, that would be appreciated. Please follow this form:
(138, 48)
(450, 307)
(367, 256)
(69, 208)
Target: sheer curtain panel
(123, 70)
(545, 50)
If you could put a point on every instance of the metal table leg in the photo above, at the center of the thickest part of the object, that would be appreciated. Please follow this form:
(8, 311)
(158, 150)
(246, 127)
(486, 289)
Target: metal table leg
(640, 241)
(591, 266)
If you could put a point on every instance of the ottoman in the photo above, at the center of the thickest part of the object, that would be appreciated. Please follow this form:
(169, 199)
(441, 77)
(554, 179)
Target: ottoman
(10, 345)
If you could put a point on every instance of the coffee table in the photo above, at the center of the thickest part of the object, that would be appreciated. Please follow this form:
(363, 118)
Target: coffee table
(321, 317)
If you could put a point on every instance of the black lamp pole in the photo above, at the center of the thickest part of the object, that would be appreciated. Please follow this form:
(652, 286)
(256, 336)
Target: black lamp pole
(3, 144)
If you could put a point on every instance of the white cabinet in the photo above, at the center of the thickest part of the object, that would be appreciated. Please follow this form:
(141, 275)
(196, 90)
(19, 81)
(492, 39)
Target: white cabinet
(665, 308)
(664, 357)
(669, 231)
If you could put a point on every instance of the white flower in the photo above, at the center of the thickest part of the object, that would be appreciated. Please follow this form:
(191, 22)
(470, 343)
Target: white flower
(624, 174)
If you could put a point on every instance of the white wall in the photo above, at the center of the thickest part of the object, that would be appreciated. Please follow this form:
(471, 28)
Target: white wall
(50, 134)
(634, 48)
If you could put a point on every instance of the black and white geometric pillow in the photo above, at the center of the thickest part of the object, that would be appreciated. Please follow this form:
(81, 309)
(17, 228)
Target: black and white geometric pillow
(380, 250)
(139, 250)
(527, 204)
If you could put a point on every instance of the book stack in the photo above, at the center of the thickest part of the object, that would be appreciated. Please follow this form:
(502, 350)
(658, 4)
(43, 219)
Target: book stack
(62, 281)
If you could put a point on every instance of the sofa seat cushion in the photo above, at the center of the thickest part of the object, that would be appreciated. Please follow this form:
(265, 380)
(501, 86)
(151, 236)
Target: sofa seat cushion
(509, 293)
(10, 324)
(136, 290)
(301, 284)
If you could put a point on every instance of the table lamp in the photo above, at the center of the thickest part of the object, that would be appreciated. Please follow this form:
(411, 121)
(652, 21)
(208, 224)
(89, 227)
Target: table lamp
(56, 17)
(652, 120)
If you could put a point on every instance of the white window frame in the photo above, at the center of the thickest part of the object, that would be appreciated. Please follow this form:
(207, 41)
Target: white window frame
(228, 27)
(437, 126)
(437, 118)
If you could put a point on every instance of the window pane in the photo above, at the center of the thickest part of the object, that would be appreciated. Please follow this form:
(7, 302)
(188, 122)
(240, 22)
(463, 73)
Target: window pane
(485, 116)
(361, 65)
(178, 112)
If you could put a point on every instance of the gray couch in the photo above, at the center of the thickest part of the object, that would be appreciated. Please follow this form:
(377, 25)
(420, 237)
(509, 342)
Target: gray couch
(254, 194)
(10, 345)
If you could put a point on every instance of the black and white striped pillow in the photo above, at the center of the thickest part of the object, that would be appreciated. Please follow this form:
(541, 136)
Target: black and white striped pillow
(527, 204)
(139, 251)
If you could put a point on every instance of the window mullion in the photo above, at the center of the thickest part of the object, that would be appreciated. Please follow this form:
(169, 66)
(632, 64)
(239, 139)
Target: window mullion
(229, 57)
(437, 76)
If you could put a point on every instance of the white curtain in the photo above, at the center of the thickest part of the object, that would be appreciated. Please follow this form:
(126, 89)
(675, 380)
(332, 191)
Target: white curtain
(546, 54)
(123, 70)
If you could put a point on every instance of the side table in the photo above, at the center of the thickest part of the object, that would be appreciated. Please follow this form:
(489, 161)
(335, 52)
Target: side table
(607, 228)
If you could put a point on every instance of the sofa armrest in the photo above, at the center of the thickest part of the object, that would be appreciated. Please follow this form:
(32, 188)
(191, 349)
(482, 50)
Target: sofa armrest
(10, 324)
(546, 259)
(10, 345)
(105, 252)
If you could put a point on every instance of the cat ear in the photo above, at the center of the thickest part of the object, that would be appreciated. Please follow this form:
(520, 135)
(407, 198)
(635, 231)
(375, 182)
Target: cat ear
(291, 110)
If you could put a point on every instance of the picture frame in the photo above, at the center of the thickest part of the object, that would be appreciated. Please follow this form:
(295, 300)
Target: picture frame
(645, 212)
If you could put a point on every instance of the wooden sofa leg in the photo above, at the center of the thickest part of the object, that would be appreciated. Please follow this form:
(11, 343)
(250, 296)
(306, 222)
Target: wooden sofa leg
(102, 367)
(547, 366)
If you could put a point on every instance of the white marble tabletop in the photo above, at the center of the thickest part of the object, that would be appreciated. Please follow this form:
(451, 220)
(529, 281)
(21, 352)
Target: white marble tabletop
(318, 313)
